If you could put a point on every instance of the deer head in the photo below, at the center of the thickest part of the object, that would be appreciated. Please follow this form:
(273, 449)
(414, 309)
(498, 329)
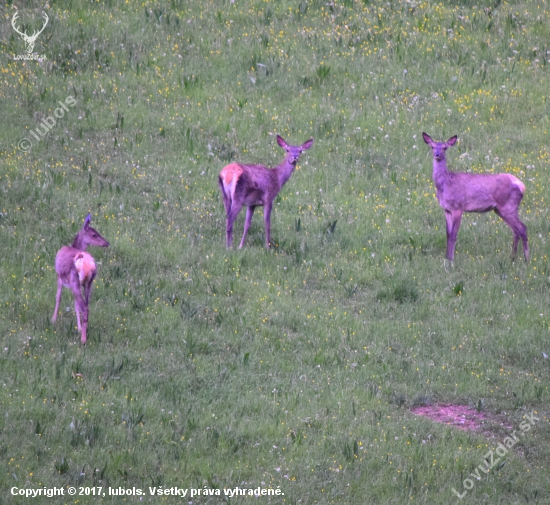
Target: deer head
(29, 39)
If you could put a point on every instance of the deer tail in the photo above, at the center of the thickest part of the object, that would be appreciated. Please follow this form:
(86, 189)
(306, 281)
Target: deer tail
(226, 195)
(228, 179)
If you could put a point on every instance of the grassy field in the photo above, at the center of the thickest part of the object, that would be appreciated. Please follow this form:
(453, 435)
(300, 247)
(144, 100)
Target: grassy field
(293, 369)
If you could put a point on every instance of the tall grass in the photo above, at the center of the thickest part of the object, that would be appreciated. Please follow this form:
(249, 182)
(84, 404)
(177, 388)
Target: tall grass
(293, 368)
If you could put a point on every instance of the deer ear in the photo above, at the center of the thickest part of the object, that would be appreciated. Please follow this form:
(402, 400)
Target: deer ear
(281, 142)
(452, 141)
(307, 145)
(87, 220)
(427, 138)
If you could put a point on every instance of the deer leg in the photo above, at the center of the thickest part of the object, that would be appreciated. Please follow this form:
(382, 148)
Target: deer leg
(267, 222)
(518, 229)
(525, 244)
(81, 309)
(77, 311)
(80, 306)
(453, 219)
(247, 221)
(83, 334)
(82, 327)
(231, 216)
(57, 298)
(225, 197)
(88, 288)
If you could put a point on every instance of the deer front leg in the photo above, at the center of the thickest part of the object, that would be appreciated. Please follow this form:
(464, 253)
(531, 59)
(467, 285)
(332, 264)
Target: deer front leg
(247, 221)
(267, 222)
(453, 219)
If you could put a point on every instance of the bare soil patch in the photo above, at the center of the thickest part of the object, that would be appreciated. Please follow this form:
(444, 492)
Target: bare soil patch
(462, 417)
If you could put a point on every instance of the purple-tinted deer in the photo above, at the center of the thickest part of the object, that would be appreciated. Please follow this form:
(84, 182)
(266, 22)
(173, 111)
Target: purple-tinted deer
(76, 270)
(460, 192)
(256, 185)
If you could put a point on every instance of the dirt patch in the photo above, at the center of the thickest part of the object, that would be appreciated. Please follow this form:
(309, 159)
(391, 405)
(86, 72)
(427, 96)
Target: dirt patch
(460, 416)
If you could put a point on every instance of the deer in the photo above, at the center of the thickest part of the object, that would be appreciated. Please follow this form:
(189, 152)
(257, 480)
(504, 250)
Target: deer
(76, 269)
(459, 192)
(29, 40)
(254, 186)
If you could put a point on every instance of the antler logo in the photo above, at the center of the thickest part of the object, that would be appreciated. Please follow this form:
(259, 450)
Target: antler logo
(29, 39)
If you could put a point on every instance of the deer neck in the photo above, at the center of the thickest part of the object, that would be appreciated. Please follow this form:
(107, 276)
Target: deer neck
(78, 242)
(440, 174)
(284, 171)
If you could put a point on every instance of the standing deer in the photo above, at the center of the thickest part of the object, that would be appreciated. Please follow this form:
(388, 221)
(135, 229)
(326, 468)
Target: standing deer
(76, 270)
(256, 185)
(460, 192)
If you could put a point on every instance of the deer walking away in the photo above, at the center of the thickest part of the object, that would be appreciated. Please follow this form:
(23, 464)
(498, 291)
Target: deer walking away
(76, 270)
(254, 186)
(460, 192)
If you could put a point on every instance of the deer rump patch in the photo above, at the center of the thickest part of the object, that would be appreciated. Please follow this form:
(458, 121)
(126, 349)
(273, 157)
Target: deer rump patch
(85, 266)
(516, 182)
(230, 172)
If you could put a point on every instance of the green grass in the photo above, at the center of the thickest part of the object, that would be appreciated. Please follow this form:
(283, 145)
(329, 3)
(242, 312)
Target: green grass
(294, 368)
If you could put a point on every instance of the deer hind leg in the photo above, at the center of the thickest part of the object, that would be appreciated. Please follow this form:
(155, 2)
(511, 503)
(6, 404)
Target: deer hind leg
(57, 298)
(453, 219)
(227, 203)
(518, 229)
(88, 288)
(84, 330)
(248, 220)
(77, 312)
(85, 310)
(231, 216)
(523, 235)
(81, 310)
(80, 306)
